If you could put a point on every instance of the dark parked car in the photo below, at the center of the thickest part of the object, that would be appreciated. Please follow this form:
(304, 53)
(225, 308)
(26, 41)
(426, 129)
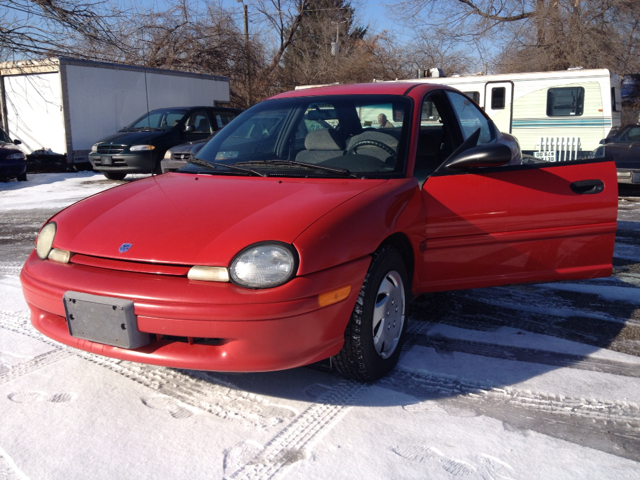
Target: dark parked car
(13, 163)
(177, 157)
(139, 147)
(624, 149)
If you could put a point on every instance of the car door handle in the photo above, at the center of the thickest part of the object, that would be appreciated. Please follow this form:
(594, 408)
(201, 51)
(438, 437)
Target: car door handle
(587, 187)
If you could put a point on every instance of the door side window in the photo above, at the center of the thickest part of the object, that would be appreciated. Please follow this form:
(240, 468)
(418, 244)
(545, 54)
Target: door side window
(471, 119)
(200, 122)
(223, 118)
(434, 140)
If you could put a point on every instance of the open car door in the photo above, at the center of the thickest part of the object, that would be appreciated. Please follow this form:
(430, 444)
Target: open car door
(502, 220)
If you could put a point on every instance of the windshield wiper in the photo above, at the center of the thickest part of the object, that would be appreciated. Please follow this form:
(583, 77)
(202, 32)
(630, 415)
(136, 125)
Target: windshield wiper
(340, 171)
(215, 165)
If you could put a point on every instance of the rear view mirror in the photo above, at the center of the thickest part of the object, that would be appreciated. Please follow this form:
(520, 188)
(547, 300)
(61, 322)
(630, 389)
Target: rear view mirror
(17, 142)
(189, 128)
(490, 155)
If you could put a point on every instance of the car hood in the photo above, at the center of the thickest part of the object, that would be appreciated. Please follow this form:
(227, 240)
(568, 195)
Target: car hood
(198, 219)
(135, 138)
(8, 149)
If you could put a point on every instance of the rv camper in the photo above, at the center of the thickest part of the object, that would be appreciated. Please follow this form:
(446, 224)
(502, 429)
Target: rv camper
(555, 116)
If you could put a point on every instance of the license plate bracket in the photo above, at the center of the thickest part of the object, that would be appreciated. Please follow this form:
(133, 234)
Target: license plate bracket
(635, 177)
(106, 320)
(106, 160)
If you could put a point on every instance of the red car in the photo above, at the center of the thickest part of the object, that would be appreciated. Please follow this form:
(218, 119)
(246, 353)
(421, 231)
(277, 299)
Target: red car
(303, 229)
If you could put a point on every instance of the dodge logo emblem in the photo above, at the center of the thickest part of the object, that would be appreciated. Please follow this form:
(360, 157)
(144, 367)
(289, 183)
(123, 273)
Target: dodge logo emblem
(124, 247)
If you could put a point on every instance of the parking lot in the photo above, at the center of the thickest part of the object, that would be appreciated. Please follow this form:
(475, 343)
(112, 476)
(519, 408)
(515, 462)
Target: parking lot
(530, 381)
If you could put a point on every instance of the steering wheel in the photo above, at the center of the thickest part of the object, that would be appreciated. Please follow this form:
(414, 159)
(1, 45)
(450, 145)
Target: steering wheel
(375, 143)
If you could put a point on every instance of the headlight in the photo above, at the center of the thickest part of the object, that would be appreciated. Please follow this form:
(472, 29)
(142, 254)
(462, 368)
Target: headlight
(45, 240)
(137, 148)
(94, 148)
(264, 265)
(15, 156)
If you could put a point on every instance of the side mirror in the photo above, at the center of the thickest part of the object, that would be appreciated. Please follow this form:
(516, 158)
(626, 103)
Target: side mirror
(490, 155)
(189, 128)
(17, 142)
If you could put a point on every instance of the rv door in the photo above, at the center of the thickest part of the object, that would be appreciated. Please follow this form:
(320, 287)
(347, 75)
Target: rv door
(498, 99)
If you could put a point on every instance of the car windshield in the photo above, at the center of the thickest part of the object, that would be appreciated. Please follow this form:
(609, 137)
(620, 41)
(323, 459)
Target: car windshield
(158, 120)
(631, 134)
(4, 138)
(356, 135)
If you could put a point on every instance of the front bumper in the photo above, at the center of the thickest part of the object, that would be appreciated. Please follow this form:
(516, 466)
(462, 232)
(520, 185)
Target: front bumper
(171, 165)
(248, 330)
(10, 169)
(628, 175)
(143, 162)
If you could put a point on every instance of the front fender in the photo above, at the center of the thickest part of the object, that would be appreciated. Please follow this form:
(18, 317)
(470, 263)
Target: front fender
(358, 227)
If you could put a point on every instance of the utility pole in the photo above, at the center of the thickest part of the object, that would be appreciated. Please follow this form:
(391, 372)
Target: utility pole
(335, 47)
(245, 18)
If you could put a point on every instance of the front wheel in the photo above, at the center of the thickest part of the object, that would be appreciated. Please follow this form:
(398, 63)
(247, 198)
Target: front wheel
(22, 177)
(375, 333)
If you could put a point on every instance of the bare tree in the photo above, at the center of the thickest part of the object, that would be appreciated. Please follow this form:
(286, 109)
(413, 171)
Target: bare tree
(542, 34)
(39, 28)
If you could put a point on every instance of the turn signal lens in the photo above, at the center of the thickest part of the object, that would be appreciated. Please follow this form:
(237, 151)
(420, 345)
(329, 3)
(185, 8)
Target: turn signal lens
(60, 256)
(208, 274)
(334, 296)
(45, 240)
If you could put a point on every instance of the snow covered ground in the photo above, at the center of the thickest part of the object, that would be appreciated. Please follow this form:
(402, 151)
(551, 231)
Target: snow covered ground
(526, 382)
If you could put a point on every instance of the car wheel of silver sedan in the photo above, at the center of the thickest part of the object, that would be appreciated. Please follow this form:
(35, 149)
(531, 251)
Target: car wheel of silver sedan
(374, 335)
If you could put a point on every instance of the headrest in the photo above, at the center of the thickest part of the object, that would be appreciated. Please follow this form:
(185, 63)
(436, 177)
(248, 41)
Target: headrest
(324, 139)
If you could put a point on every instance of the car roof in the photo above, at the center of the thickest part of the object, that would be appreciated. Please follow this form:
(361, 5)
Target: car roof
(380, 88)
(206, 107)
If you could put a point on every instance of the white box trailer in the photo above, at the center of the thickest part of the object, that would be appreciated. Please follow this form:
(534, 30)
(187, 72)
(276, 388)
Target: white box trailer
(63, 106)
(556, 116)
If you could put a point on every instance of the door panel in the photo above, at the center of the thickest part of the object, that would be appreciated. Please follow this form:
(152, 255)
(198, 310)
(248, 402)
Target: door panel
(514, 224)
(498, 98)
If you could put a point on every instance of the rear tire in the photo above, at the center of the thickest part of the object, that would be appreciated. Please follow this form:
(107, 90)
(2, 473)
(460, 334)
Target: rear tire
(114, 175)
(375, 333)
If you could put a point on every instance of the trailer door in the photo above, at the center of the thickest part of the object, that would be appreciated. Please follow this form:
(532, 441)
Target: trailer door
(498, 101)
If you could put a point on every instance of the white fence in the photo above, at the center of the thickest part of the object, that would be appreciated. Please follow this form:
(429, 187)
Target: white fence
(558, 149)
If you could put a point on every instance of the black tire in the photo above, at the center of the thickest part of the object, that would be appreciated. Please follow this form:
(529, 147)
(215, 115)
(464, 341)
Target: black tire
(114, 175)
(22, 177)
(367, 355)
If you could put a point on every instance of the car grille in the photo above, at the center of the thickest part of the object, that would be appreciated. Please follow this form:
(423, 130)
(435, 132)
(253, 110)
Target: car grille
(110, 149)
(180, 156)
(130, 266)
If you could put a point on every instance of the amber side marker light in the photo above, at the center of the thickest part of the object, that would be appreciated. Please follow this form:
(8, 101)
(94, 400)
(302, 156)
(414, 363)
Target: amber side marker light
(334, 296)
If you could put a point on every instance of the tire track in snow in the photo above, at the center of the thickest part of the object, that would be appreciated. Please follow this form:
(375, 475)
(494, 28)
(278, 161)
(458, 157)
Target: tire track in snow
(8, 469)
(10, 268)
(295, 441)
(197, 389)
(610, 426)
(529, 355)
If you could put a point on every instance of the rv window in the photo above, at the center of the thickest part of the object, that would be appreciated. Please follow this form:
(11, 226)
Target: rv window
(565, 101)
(475, 96)
(498, 98)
